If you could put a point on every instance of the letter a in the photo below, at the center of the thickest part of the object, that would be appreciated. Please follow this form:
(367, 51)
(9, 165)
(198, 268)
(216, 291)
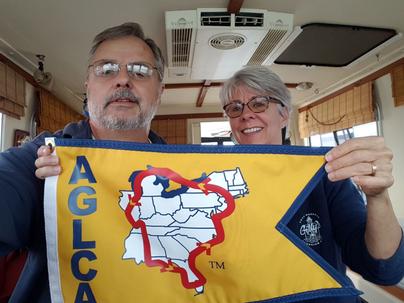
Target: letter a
(81, 161)
(84, 289)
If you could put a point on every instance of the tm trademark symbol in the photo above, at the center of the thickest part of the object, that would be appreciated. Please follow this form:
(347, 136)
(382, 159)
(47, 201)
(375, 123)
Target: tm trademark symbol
(216, 265)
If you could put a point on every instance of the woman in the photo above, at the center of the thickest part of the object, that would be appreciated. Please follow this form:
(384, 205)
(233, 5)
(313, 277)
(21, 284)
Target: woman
(365, 238)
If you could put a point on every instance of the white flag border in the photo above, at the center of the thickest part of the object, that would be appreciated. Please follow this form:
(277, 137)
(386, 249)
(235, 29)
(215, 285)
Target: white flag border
(50, 213)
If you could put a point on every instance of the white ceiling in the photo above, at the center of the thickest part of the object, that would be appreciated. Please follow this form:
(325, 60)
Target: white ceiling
(63, 31)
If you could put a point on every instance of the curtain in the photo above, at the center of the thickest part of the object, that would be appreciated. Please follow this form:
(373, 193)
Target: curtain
(353, 107)
(12, 92)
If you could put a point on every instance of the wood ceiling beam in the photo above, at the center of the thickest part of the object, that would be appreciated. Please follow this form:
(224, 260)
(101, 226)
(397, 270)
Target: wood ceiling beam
(202, 93)
(291, 85)
(234, 6)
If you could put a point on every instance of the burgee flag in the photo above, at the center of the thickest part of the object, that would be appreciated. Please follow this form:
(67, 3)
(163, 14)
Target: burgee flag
(130, 222)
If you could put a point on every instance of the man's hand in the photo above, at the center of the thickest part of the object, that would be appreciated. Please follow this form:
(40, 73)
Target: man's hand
(47, 164)
(366, 160)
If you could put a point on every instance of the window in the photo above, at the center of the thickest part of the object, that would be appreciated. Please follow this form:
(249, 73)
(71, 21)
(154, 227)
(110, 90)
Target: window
(340, 136)
(215, 133)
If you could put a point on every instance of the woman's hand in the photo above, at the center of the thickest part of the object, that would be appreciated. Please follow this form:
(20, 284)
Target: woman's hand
(366, 160)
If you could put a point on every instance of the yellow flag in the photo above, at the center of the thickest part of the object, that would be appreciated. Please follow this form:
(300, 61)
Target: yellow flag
(130, 222)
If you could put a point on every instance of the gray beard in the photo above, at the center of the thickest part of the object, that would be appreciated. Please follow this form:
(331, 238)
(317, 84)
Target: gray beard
(141, 121)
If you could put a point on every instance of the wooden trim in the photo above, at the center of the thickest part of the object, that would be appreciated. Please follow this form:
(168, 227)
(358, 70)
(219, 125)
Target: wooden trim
(394, 291)
(397, 81)
(202, 93)
(291, 85)
(375, 75)
(234, 6)
(398, 101)
(189, 116)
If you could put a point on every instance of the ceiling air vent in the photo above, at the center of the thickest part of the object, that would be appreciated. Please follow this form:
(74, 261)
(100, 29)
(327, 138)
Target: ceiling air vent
(249, 19)
(215, 19)
(276, 39)
(180, 33)
(210, 43)
(227, 41)
(181, 46)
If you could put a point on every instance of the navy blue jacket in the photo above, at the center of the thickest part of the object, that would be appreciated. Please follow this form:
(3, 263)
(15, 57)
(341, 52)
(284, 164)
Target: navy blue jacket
(22, 214)
(336, 215)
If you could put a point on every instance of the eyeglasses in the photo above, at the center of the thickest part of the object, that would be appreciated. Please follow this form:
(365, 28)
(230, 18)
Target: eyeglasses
(257, 104)
(136, 70)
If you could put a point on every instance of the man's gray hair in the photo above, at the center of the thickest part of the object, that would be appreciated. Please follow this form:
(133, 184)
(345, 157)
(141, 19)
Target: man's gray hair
(130, 29)
(260, 79)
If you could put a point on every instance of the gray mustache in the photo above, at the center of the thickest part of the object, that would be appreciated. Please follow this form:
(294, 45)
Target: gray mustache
(123, 94)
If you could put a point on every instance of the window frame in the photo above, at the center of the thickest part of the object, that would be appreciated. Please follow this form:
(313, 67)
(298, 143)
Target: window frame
(347, 133)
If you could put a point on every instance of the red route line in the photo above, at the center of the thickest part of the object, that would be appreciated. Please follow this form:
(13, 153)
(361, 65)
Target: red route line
(216, 218)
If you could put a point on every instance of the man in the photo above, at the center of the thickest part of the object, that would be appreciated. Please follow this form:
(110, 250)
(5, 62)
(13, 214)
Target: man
(124, 85)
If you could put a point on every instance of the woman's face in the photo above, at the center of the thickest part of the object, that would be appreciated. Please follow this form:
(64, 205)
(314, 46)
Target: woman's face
(257, 128)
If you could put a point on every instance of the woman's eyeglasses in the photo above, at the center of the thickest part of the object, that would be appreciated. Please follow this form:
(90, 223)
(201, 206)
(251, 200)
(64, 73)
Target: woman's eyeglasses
(257, 104)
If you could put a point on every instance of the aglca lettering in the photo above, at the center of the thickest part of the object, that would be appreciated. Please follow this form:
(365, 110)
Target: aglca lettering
(83, 249)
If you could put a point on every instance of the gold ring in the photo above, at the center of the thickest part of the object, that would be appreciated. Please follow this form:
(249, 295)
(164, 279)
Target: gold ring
(374, 169)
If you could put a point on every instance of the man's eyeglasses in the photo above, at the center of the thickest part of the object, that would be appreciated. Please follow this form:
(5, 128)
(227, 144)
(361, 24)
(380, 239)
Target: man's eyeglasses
(136, 70)
(257, 104)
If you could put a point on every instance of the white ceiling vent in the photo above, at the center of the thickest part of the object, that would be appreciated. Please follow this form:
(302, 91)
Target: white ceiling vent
(227, 41)
(274, 42)
(213, 43)
(181, 31)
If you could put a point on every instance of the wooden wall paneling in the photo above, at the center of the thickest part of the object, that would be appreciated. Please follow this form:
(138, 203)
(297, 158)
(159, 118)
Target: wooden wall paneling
(181, 140)
(57, 116)
(180, 128)
(171, 128)
(45, 112)
(173, 131)
(162, 128)
(54, 113)
(65, 115)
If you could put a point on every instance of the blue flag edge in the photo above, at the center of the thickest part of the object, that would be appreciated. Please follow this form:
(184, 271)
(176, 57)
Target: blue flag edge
(193, 148)
(348, 289)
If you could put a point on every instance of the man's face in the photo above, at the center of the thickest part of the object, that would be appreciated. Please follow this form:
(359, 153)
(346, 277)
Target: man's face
(122, 101)
(257, 128)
